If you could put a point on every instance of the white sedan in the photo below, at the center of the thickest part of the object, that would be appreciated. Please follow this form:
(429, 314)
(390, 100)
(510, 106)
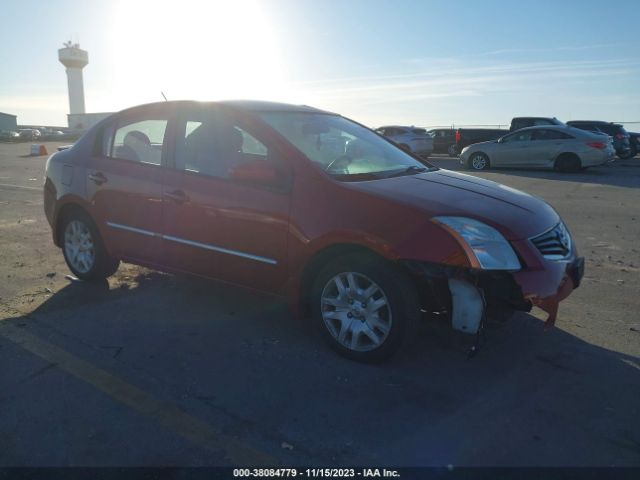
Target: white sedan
(563, 148)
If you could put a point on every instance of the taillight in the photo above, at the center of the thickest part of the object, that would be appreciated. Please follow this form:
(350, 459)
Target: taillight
(598, 145)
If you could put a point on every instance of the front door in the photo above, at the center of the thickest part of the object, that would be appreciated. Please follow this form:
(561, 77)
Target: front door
(513, 150)
(213, 225)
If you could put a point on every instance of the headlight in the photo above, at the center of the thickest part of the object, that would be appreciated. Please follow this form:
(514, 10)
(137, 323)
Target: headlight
(490, 248)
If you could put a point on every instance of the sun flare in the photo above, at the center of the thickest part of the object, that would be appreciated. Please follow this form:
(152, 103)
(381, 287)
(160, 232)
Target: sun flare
(204, 50)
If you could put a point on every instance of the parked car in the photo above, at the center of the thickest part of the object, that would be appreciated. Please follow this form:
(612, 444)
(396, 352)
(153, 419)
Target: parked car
(469, 136)
(561, 147)
(444, 141)
(615, 131)
(29, 133)
(412, 139)
(308, 205)
(634, 144)
(9, 136)
(523, 122)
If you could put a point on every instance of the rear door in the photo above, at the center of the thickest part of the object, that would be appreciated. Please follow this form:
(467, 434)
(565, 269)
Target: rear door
(548, 144)
(124, 184)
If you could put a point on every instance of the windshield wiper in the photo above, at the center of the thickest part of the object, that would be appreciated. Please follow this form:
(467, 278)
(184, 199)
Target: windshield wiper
(415, 168)
(407, 171)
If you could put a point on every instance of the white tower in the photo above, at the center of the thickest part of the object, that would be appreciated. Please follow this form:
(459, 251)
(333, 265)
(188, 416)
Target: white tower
(75, 59)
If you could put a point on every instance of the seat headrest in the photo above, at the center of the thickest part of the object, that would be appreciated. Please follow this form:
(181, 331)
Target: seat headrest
(136, 137)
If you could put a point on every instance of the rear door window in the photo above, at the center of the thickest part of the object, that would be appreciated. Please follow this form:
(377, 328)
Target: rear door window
(138, 141)
(545, 134)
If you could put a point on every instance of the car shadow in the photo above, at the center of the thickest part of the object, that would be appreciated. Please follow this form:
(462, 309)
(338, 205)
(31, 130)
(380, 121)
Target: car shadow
(530, 397)
(620, 173)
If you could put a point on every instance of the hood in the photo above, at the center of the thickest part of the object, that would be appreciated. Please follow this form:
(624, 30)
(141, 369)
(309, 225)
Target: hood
(479, 144)
(517, 215)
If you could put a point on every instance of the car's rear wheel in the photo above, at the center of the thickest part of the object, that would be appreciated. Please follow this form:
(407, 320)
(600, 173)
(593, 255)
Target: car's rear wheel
(568, 162)
(478, 161)
(630, 154)
(364, 306)
(84, 250)
(452, 150)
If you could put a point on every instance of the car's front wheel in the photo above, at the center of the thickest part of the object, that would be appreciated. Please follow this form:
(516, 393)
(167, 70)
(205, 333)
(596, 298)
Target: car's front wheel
(478, 161)
(364, 306)
(453, 150)
(84, 250)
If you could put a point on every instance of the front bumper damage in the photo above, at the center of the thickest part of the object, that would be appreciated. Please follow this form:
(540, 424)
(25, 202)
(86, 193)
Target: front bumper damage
(570, 280)
(472, 295)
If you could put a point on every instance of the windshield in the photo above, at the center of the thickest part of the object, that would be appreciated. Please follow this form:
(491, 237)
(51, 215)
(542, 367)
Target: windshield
(343, 148)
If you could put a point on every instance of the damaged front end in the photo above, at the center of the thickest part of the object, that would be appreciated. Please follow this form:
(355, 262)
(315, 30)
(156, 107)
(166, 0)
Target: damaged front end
(498, 277)
(468, 295)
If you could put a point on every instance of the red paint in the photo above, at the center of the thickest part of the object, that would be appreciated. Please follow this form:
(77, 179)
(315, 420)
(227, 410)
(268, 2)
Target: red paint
(289, 214)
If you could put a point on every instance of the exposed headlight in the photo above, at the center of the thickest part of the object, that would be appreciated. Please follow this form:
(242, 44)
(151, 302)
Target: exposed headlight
(490, 248)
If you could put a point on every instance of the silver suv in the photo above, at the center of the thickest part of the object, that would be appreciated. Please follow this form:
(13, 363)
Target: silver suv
(412, 139)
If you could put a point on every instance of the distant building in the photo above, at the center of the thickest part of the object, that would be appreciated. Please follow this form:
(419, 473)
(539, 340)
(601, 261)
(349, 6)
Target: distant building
(8, 122)
(84, 121)
(75, 59)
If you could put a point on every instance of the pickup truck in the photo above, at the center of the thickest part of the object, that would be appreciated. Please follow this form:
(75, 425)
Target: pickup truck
(523, 122)
(469, 136)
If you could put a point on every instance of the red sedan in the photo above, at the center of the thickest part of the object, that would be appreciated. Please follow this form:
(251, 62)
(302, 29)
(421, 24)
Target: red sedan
(305, 204)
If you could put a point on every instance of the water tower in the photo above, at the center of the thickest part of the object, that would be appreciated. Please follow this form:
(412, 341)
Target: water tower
(75, 59)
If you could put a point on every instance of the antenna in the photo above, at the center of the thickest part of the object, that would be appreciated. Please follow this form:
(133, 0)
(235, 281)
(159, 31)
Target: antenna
(164, 96)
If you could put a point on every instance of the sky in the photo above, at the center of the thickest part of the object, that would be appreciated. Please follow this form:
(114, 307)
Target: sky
(420, 62)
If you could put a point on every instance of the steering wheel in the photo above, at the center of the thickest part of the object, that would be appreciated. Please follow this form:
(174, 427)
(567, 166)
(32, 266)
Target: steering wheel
(346, 159)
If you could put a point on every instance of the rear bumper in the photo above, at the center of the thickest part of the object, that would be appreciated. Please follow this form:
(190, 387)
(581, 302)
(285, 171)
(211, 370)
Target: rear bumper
(423, 152)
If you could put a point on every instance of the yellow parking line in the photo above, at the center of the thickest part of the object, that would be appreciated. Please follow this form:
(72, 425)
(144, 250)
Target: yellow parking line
(166, 414)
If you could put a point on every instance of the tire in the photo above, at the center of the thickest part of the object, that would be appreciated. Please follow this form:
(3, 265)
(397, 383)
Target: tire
(452, 150)
(478, 161)
(364, 307)
(84, 250)
(630, 154)
(568, 163)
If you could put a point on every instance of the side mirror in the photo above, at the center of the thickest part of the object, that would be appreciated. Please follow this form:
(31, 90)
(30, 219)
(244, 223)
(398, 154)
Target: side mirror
(259, 172)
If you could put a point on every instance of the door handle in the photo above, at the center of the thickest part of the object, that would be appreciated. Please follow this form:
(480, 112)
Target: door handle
(98, 178)
(177, 196)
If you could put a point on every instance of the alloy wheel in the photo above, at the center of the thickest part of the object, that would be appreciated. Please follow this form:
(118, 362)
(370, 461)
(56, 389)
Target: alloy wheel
(79, 246)
(479, 162)
(356, 311)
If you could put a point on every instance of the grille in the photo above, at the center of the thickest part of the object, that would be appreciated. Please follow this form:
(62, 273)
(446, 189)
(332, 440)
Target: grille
(554, 244)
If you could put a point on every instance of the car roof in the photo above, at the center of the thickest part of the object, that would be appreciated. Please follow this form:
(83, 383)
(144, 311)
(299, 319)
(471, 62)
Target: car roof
(535, 118)
(246, 105)
(264, 106)
(409, 127)
(597, 122)
(548, 127)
